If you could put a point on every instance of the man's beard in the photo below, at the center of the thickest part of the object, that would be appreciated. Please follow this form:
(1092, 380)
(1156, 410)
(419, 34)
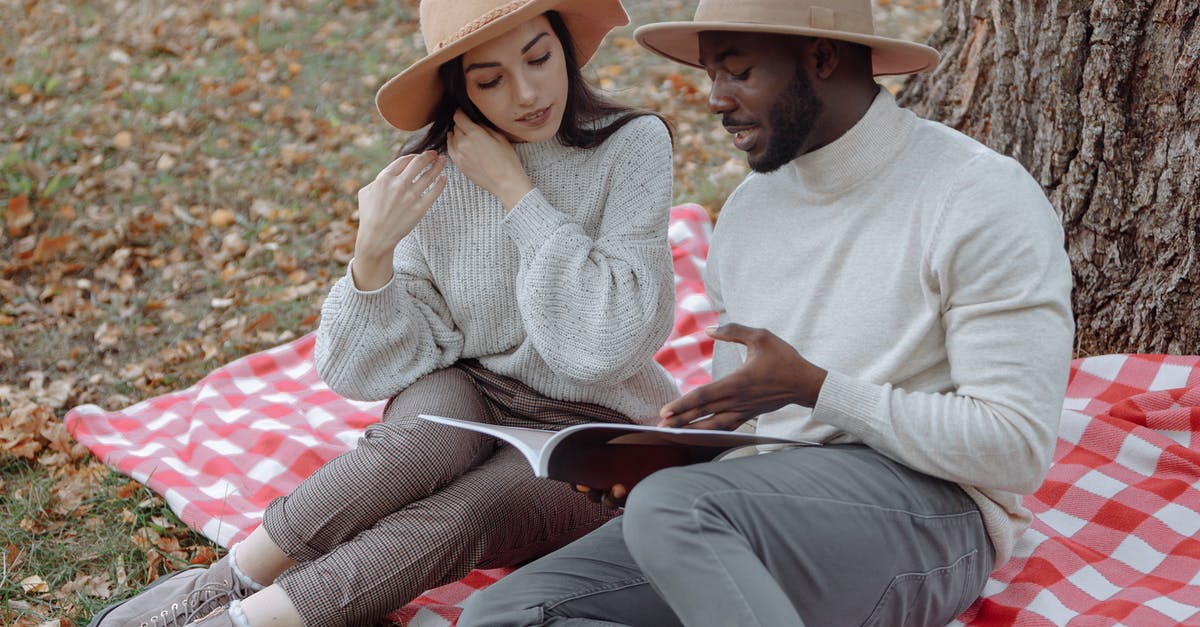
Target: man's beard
(792, 120)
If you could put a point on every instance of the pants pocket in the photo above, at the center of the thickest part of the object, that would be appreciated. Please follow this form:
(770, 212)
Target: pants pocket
(934, 597)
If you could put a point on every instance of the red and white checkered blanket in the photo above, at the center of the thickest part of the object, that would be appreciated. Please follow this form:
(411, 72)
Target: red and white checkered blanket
(1112, 544)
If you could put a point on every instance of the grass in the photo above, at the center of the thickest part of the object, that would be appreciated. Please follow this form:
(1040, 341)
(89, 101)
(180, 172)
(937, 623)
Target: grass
(110, 523)
(175, 154)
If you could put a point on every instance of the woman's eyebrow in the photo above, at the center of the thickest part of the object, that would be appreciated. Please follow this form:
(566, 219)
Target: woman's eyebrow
(524, 49)
(534, 41)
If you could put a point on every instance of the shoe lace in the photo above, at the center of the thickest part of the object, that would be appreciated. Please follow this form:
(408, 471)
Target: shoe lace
(174, 616)
(199, 602)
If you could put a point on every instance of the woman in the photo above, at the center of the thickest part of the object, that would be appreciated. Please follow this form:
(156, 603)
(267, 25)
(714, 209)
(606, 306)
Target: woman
(511, 267)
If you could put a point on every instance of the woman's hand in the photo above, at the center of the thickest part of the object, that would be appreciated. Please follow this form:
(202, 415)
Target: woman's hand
(388, 209)
(488, 159)
(613, 497)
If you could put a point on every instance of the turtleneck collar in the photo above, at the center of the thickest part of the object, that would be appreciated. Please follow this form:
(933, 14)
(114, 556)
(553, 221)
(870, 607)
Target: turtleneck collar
(868, 145)
(539, 154)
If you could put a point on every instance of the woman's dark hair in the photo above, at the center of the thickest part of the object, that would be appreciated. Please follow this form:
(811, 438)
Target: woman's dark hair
(584, 109)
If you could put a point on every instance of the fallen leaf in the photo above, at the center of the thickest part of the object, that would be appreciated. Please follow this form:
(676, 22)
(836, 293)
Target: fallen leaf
(18, 216)
(264, 321)
(107, 335)
(50, 247)
(222, 218)
(165, 163)
(34, 585)
(123, 140)
(97, 586)
(239, 87)
(203, 555)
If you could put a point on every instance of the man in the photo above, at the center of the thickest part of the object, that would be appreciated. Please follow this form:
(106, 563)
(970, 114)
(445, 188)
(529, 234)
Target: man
(887, 287)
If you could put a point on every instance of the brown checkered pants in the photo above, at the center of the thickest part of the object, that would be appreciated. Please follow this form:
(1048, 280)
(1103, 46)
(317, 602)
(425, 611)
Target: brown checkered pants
(417, 505)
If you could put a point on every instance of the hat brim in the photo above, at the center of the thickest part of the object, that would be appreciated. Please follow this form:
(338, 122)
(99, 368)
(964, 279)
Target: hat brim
(680, 41)
(407, 101)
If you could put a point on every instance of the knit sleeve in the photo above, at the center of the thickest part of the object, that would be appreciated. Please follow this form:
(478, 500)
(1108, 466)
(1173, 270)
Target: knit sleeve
(596, 309)
(372, 345)
(998, 265)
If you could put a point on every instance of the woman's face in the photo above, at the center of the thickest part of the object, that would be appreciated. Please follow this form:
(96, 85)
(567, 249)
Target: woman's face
(519, 81)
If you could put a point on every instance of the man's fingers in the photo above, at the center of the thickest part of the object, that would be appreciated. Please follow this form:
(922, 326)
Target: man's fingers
(722, 421)
(732, 332)
(699, 401)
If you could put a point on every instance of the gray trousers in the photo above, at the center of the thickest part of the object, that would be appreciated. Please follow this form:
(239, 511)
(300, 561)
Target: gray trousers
(834, 535)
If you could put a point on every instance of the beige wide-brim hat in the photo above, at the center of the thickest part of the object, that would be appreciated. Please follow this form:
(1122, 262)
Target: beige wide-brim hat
(452, 27)
(845, 20)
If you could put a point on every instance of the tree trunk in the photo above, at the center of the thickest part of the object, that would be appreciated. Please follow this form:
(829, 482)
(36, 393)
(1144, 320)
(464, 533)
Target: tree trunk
(1100, 100)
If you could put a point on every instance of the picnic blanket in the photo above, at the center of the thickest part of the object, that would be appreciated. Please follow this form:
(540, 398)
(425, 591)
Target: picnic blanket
(1112, 542)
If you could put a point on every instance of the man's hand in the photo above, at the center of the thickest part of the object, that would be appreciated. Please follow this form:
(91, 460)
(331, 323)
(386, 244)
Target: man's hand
(773, 375)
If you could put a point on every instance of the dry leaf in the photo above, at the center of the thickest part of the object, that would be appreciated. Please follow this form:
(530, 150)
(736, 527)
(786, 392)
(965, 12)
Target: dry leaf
(107, 335)
(122, 140)
(34, 585)
(18, 216)
(97, 586)
(222, 218)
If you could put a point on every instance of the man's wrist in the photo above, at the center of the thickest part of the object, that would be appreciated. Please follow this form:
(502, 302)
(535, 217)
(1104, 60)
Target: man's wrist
(812, 381)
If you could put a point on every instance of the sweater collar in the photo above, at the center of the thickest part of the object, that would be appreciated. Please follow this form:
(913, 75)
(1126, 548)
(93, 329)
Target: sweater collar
(859, 152)
(539, 154)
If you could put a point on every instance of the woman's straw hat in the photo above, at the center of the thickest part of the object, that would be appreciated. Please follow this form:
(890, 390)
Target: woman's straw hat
(845, 20)
(452, 27)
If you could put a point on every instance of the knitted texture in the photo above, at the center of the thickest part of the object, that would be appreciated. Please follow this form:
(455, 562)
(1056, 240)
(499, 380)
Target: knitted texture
(571, 292)
(927, 274)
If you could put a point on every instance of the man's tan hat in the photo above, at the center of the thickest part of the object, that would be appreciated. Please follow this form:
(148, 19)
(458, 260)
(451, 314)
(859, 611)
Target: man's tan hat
(452, 27)
(845, 20)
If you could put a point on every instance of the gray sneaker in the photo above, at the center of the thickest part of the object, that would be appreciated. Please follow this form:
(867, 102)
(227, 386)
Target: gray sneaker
(173, 600)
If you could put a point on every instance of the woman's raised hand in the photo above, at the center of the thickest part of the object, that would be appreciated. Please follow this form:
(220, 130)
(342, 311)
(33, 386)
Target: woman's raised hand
(488, 159)
(388, 209)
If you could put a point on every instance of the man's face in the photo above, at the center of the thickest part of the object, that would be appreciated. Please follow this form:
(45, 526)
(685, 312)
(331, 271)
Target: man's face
(763, 95)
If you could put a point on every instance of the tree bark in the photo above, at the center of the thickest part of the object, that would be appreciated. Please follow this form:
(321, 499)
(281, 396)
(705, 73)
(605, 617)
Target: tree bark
(1100, 100)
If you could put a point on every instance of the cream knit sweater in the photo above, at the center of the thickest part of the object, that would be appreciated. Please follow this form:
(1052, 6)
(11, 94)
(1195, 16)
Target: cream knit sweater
(572, 292)
(927, 274)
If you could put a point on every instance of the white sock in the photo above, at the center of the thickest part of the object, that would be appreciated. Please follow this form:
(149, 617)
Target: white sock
(236, 615)
(241, 576)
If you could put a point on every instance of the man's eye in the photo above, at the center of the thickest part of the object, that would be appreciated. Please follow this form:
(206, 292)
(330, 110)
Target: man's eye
(741, 76)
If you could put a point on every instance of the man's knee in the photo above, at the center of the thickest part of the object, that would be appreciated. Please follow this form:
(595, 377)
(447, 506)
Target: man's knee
(660, 505)
(500, 605)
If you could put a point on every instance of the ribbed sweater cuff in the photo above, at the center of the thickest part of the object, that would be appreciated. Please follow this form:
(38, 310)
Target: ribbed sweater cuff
(374, 304)
(847, 403)
(532, 220)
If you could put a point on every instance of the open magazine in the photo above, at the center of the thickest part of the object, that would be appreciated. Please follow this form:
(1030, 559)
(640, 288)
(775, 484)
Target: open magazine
(601, 455)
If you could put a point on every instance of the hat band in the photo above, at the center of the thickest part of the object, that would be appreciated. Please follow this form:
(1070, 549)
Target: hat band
(481, 21)
(786, 13)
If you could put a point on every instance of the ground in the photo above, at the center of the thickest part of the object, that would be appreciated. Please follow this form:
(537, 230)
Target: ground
(177, 185)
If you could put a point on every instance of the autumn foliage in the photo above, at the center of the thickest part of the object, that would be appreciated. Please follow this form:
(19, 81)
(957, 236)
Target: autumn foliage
(177, 185)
